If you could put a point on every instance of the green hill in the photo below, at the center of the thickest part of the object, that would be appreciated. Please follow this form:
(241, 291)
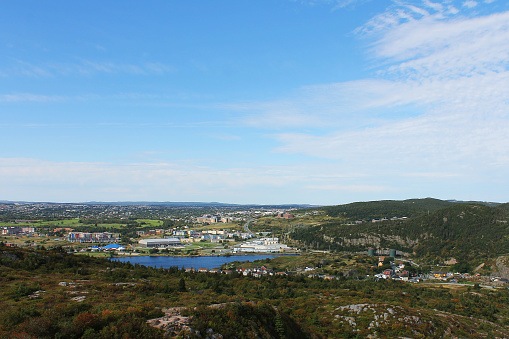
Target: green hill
(461, 230)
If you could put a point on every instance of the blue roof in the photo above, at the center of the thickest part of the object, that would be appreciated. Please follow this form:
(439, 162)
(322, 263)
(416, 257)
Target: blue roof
(112, 247)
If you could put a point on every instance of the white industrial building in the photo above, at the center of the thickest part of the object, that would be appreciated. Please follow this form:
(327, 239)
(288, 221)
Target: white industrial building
(261, 245)
(157, 243)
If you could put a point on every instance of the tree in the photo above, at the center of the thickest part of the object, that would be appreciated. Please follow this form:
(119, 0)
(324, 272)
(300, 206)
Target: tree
(182, 285)
(280, 328)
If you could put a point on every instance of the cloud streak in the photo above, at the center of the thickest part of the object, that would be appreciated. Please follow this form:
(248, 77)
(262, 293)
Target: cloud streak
(85, 67)
(177, 181)
(23, 97)
(436, 109)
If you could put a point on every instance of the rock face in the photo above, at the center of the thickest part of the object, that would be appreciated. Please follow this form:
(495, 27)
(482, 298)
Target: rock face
(451, 261)
(176, 325)
(372, 240)
(502, 266)
(172, 322)
(368, 319)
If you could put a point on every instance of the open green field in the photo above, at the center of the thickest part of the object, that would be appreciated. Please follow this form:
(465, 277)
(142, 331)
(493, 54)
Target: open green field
(150, 222)
(68, 223)
(45, 241)
(54, 223)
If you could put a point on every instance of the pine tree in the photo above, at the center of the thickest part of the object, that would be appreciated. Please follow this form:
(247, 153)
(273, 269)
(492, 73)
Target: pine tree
(280, 328)
(182, 285)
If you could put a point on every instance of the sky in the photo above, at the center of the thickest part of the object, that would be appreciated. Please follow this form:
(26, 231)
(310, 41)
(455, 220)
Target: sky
(319, 102)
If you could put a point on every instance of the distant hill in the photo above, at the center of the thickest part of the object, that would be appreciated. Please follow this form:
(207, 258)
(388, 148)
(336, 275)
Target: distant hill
(461, 230)
(189, 204)
(195, 204)
(386, 208)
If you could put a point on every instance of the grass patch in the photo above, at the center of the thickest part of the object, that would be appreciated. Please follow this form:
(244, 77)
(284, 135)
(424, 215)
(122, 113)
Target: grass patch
(150, 222)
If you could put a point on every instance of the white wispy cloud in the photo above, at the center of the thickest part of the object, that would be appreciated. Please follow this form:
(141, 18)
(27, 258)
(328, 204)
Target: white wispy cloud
(431, 47)
(352, 188)
(227, 137)
(336, 4)
(439, 102)
(29, 69)
(470, 4)
(20, 97)
(183, 181)
(85, 67)
(344, 3)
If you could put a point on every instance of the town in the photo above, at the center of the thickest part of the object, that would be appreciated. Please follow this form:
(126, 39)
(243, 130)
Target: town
(198, 231)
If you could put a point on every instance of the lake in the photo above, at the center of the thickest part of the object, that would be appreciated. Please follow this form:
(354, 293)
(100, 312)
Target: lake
(208, 262)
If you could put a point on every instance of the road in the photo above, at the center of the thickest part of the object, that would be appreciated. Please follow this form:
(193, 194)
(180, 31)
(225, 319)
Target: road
(246, 227)
(410, 261)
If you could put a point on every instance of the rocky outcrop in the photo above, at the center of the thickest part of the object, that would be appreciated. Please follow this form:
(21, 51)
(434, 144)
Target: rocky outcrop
(502, 267)
(374, 240)
(176, 325)
(172, 322)
(367, 319)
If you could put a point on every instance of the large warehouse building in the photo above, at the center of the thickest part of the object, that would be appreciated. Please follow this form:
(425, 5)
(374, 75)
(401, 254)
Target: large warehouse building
(156, 243)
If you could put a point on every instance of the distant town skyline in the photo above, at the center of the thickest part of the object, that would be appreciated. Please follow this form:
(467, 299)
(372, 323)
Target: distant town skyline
(320, 102)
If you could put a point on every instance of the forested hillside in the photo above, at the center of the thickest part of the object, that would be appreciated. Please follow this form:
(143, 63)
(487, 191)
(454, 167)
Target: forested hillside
(386, 208)
(462, 230)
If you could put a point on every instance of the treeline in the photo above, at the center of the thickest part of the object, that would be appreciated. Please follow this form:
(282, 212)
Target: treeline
(386, 208)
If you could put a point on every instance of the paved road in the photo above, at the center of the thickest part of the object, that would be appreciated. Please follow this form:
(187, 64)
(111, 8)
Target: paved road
(246, 227)
(407, 260)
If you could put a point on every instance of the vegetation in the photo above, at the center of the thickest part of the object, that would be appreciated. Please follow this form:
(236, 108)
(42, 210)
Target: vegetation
(386, 208)
(467, 231)
(52, 294)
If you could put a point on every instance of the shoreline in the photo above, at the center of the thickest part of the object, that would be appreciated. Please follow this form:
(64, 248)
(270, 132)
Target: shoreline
(201, 255)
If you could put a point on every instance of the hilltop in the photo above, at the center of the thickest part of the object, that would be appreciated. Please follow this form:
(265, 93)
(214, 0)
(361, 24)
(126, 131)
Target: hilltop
(410, 208)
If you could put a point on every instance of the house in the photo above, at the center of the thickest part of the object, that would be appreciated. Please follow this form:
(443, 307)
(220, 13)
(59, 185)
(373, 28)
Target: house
(388, 272)
(404, 275)
(438, 275)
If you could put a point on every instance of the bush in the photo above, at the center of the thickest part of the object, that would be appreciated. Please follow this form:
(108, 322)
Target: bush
(22, 290)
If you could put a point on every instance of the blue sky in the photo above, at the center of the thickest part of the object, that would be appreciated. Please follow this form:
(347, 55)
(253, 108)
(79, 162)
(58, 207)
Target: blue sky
(288, 101)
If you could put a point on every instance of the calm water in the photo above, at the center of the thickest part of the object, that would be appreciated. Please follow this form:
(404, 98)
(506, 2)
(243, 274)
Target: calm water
(196, 262)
